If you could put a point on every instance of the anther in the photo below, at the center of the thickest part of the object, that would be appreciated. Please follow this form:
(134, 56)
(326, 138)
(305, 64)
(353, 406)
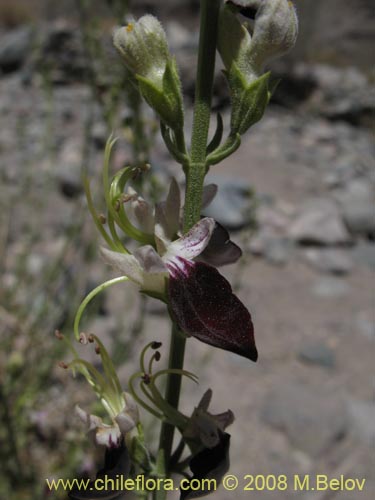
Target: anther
(156, 345)
(126, 197)
(63, 365)
(59, 335)
(83, 338)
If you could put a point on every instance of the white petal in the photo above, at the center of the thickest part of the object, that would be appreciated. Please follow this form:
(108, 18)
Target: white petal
(193, 243)
(141, 211)
(149, 260)
(125, 422)
(127, 264)
(91, 421)
(108, 435)
(154, 271)
(104, 434)
(131, 407)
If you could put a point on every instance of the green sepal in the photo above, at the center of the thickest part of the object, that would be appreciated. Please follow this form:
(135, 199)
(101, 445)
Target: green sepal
(167, 99)
(155, 295)
(171, 144)
(272, 86)
(173, 93)
(252, 105)
(237, 85)
(140, 454)
(229, 147)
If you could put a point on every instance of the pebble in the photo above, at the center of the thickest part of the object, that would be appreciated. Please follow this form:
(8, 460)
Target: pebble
(331, 260)
(327, 288)
(317, 353)
(313, 419)
(319, 223)
(232, 206)
(14, 48)
(362, 418)
(364, 254)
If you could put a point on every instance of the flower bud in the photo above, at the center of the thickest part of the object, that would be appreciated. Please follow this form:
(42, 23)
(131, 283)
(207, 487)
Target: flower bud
(275, 30)
(144, 48)
(274, 33)
(244, 55)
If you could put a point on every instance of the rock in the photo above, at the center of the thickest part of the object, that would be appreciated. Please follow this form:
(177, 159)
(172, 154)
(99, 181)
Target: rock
(360, 218)
(62, 53)
(320, 223)
(327, 288)
(259, 240)
(330, 260)
(362, 418)
(278, 250)
(69, 171)
(15, 47)
(99, 134)
(366, 325)
(357, 201)
(314, 419)
(272, 216)
(317, 353)
(364, 254)
(338, 94)
(233, 205)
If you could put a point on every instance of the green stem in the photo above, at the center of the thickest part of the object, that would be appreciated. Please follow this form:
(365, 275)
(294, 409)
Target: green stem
(173, 388)
(195, 172)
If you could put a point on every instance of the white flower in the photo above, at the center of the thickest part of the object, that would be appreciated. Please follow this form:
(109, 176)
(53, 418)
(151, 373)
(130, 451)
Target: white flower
(148, 268)
(144, 47)
(123, 423)
(274, 32)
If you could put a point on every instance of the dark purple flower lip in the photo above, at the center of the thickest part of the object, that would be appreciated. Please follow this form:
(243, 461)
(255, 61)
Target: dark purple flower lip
(117, 462)
(209, 463)
(204, 306)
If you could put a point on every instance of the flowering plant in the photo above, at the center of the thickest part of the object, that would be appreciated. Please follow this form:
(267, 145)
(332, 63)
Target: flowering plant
(177, 252)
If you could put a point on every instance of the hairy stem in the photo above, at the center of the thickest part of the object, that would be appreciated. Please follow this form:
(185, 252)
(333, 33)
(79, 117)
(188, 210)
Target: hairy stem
(195, 172)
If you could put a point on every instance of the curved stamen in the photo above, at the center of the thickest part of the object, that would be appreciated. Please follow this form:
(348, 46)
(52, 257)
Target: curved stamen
(88, 299)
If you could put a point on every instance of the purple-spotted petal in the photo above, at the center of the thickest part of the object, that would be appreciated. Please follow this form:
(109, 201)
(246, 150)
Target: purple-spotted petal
(192, 243)
(220, 249)
(205, 307)
(104, 434)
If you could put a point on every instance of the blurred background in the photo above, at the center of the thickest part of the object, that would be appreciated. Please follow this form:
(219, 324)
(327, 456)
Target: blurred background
(298, 197)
